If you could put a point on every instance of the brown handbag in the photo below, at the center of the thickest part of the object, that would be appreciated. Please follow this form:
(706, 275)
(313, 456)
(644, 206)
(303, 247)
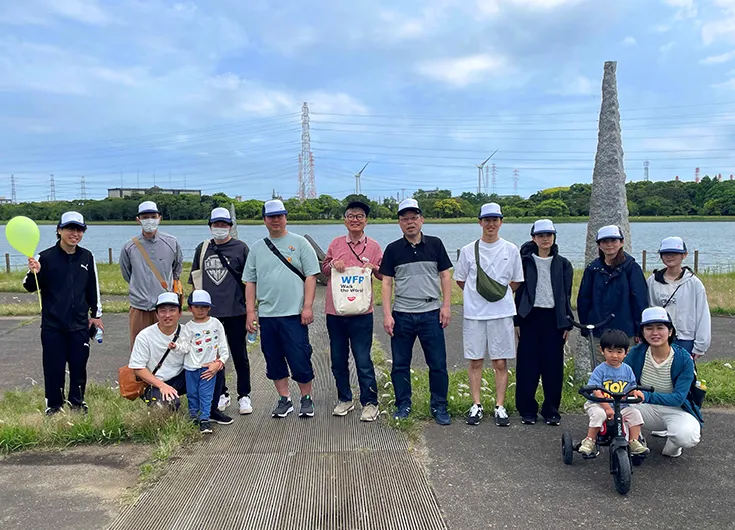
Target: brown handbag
(131, 387)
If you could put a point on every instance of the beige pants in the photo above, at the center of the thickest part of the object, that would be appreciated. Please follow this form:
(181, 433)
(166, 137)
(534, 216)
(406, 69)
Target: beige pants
(597, 415)
(139, 320)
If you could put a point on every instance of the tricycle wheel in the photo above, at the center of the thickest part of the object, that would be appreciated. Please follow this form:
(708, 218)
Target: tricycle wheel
(567, 451)
(622, 470)
(637, 460)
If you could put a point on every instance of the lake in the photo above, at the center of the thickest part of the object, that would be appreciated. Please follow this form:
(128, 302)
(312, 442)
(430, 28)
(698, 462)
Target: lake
(712, 239)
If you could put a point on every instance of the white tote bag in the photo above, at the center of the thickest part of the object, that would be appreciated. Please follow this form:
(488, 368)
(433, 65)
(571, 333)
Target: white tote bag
(352, 291)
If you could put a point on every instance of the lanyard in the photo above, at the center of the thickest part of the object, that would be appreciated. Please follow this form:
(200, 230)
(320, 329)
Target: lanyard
(358, 256)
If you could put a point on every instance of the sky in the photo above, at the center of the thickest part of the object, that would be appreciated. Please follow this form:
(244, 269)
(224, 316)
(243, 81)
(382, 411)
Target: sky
(208, 95)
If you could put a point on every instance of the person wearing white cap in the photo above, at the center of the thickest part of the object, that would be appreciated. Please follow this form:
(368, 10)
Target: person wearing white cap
(678, 289)
(543, 305)
(217, 268)
(669, 369)
(151, 264)
(489, 270)
(280, 273)
(420, 268)
(71, 312)
(156, 362)
(612, 284)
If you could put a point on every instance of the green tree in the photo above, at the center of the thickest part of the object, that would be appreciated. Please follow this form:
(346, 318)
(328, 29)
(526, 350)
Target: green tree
(552, 208)
(448, 208)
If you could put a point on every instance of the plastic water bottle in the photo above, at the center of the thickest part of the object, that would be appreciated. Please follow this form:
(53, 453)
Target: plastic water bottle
(98, 336)
(252, 337)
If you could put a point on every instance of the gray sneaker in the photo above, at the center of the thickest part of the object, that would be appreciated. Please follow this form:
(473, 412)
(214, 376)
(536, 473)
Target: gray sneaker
(307, 407)
(284, 407)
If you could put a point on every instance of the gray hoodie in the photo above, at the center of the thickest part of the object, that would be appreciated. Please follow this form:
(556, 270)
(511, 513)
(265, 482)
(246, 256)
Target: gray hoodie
(165, 254)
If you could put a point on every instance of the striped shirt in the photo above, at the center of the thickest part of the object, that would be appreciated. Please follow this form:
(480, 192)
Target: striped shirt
(658, 375)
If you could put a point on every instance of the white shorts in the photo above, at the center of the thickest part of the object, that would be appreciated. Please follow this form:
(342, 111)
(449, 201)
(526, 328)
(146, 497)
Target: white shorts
(495, 337)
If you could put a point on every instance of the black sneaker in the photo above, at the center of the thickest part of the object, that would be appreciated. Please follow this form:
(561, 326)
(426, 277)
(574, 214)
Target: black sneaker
(553, 420)
(474, 415)
(219, 418)
(83, 408)
(205, 427)
(441, 416)
(528, 420)
(402, 413)
(51, 411)
(501, 416)
(307, 407)
(284, 407)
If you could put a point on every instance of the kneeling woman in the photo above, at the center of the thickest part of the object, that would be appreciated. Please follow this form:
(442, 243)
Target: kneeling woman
(669, 369)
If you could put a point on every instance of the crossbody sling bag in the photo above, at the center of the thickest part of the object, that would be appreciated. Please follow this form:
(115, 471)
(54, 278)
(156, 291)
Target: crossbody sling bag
(179, 291)
(131, 387)
(227, 265)
(196, 276)
(490, 289)
(280, 256)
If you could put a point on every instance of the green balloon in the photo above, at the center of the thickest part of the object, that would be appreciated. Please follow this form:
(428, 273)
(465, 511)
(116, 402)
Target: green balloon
(23, 235)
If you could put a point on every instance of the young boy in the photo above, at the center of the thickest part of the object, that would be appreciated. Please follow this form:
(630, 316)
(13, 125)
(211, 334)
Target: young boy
(207, 343)
(617, 377)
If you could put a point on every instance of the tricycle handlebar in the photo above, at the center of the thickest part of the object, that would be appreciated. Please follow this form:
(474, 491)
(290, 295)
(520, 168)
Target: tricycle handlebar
(590, 327)
(620, 397)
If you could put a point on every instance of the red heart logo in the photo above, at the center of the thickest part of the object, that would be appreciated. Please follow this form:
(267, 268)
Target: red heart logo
(351, 298)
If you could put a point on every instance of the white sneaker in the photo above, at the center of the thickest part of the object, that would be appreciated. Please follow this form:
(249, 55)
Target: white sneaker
(246, 406)
(659, 434)
(671, 450)
(224, 402)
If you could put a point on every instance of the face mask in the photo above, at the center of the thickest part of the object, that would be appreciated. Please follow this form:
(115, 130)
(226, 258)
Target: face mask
(220, 233)
(149, 225)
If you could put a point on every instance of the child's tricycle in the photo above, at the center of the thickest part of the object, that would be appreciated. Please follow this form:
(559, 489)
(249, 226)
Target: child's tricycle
(612, 434)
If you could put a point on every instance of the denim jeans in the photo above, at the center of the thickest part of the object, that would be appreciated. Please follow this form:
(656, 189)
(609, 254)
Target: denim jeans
(199, 393)
(425, 326)
(688, 345)
(356, 333)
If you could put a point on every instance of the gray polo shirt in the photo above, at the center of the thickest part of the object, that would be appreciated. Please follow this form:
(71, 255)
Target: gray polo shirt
(165, 254)
(415, 270)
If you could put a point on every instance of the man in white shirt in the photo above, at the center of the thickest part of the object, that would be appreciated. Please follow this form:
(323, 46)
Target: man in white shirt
(489, 308)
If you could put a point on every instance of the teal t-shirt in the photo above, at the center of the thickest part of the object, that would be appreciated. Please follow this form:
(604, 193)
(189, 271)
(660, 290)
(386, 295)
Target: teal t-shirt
(279, 291)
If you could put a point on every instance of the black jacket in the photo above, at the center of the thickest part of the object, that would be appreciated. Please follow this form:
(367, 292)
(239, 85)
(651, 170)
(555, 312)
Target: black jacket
(561, 284)
(70, 291)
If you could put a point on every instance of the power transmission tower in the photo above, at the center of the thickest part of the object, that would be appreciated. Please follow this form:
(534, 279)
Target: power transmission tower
(515, 182)
(307, 185)
(52, 190)
(84, 190)
(13, 198)
(646, 164)
(311, 184)
(494, 173)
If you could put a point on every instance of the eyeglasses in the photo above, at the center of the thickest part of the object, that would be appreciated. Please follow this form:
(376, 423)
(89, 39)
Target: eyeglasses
(355, 216)
(408, 219)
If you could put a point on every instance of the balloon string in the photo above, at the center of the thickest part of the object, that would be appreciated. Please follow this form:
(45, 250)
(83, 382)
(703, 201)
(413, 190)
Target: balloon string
(38, 290)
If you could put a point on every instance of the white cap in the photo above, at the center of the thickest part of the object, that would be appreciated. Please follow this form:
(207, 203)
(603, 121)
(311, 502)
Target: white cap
(147, 207)
(408, 204)
(220, 214)
(491, 209)
(274, 207)
(655, 315)
(200, 297)
(168, 299)
(543, 226)
(609, 232)
(673, 245)
(72, 218)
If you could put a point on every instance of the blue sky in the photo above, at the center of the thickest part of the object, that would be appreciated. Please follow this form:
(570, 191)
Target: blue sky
(209, 94)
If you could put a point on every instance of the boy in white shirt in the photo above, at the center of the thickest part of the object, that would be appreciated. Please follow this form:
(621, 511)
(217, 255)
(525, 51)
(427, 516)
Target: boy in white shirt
(205, 342)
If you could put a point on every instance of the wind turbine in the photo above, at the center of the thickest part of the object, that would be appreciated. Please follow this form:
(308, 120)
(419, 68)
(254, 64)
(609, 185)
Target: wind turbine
(479, 172)
(358, 189)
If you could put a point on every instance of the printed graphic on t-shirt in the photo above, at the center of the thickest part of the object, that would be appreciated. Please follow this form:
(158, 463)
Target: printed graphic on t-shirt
(616, 387)
(216, 271)
(207, 341)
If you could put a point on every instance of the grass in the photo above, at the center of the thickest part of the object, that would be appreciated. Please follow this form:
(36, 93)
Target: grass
(111, 420)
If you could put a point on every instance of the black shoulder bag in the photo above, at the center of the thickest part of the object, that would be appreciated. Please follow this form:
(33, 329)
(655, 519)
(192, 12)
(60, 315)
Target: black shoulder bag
(227, 265)
(280, 256)
(149, 388)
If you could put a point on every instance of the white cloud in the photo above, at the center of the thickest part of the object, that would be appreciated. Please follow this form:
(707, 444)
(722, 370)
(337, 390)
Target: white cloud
(685, 8)
(727, 85)
(578, 85)
(717, 59)
(462, 71)
(629, 41)
(87, 11)
(666, 48)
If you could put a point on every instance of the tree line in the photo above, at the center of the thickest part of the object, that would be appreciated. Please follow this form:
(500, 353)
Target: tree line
(710, 196)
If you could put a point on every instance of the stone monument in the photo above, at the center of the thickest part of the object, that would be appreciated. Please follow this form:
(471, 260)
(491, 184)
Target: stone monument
(609, 202)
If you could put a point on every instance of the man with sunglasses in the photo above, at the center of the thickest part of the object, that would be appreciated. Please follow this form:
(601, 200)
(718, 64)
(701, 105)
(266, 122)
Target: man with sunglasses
(353, 331)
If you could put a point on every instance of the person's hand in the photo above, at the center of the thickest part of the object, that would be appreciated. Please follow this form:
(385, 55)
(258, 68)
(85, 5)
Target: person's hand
(638, 394)
(171, 345)
(565, 336)
(696, 356)
(96, 322)
(339, 265)
(33, 265)
(610, 413)
(370, 266)
(168, 393)
(518, 333)
(637, 340)
(307, 316)
(251, 322)
(388, 324)
(445, 315)
(211, 369)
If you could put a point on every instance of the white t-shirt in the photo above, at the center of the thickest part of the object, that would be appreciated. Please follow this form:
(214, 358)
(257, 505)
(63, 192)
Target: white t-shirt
(149, 347)
(206, 341)
(502, 262)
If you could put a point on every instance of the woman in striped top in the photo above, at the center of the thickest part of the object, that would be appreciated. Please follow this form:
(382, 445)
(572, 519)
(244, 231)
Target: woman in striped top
(669, 369)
